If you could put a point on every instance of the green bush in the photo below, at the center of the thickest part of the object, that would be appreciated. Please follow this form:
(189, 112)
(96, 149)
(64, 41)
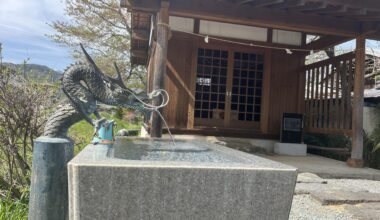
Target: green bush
(119, 113)
(327, 140)
(371, 151)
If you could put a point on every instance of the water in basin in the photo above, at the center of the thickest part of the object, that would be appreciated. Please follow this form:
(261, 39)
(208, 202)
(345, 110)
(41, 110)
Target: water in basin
(164, 150)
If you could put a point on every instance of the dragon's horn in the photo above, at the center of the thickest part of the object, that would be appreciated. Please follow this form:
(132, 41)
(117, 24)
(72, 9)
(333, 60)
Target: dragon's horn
(119, 78)
(90, 60)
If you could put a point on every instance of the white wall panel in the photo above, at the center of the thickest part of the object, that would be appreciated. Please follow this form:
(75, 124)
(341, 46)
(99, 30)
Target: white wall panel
(181, 24)
(287, 37)
(233, 31)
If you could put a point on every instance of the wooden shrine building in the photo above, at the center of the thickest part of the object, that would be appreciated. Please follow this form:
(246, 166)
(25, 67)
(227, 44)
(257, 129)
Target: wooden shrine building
(233, 67)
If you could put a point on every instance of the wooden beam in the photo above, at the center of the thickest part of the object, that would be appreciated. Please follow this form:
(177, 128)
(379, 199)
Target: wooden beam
(270, 35)
(356, 159)
(141, 35)
(160, 63)
(369, 16)
(261, 3)
(368, 4)
(351, 12)
(374, 36)
(141, 5)
(310, 6)
(325, 42)
(331, 10)
(265, 105)
(375, 18)
(196, 26)
(193, 69)
(303, 40)
(263, 17)
(369, 28)
(139, 53)
(289, 4)
(154, 5)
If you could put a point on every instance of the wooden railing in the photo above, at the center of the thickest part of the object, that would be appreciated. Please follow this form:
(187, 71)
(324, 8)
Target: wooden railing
(328, 91)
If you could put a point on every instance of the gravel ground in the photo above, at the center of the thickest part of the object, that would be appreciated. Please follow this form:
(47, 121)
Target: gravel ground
(305, 207)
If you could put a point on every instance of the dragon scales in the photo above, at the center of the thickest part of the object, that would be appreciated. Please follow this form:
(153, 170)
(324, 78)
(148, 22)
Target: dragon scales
(85, 85)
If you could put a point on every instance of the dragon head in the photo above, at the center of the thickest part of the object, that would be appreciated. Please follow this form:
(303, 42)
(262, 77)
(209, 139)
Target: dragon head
(116, 93)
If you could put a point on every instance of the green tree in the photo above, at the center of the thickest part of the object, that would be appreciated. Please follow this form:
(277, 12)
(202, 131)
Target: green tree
(104, 28)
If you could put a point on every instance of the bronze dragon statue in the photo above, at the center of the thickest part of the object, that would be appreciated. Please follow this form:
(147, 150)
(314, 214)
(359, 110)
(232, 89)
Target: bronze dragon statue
(85, 85)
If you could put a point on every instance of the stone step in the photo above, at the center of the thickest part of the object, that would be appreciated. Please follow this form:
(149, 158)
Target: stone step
(344, 197)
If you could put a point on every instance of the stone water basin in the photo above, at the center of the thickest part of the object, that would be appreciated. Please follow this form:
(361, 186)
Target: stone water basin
(140, 178)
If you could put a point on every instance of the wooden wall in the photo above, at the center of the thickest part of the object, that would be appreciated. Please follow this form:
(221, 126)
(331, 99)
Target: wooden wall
(178, 80)
(284, 83)
(284, 87)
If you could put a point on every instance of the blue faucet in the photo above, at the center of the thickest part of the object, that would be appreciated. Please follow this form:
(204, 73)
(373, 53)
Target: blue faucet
(104, 133)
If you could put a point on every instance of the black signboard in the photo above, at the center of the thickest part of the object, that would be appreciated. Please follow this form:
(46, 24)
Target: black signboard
(291, 128)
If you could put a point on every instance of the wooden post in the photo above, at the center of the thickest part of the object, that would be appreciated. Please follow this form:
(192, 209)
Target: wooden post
(160, 62)
(356, 159)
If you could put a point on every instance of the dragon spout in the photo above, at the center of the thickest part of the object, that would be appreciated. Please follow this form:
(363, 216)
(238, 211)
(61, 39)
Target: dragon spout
(85, 85)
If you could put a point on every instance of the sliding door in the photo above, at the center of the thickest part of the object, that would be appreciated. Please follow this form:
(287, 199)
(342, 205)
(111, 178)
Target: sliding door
(228, 88)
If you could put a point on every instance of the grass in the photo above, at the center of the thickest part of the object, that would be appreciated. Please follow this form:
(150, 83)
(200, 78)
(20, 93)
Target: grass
(11, 209)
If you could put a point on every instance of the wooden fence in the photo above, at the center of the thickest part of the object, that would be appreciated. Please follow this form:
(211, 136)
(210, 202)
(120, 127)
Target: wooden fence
(328, 92)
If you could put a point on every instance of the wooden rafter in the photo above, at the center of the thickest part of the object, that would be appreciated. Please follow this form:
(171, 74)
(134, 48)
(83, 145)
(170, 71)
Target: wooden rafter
(261, 3)
(310, 6)
(289, 4)
(351, 12)
(367, 4)
(330, 9)
(369, 16)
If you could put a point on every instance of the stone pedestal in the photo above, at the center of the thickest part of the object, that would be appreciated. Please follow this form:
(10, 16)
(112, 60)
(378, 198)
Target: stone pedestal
(48, 191)
(290, 149)
(142, 179)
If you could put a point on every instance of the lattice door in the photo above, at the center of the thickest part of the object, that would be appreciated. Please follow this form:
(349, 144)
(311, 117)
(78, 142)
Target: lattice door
(247, 84)
(211, 82)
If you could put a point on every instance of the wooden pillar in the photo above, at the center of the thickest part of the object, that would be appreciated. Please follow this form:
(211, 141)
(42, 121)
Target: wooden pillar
(356, 159)
(160, 62)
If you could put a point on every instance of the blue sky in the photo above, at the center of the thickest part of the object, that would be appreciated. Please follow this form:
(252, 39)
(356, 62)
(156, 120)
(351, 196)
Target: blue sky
(23, 26)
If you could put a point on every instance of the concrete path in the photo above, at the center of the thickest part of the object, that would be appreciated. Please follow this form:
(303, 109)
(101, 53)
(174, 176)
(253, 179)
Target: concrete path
(326, 167)
(322, 166)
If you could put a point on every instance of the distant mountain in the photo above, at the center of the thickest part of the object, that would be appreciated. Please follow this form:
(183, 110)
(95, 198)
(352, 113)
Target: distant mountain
(36, 72)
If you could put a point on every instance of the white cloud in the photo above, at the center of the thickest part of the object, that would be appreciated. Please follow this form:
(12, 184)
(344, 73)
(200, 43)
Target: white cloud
(23, 29)
(29, 16)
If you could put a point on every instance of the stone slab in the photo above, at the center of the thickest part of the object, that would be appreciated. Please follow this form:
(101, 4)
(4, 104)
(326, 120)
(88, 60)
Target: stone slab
(326, 168)
(364, 211)
(290, 149)
(205, 181)
(310, 178)
(344, 197)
